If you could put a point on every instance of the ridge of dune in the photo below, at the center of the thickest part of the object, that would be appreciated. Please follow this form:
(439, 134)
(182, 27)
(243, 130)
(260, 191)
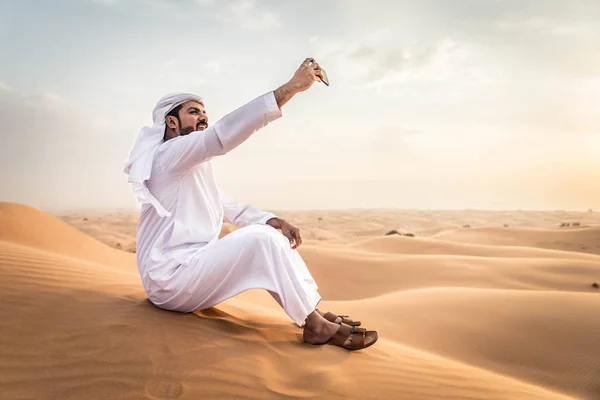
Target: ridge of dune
(373, 274)
(29, 226)
(396, 244)
(584, 239)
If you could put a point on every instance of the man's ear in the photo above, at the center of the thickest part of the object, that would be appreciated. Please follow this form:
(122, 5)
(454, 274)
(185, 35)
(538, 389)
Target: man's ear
(171, 122)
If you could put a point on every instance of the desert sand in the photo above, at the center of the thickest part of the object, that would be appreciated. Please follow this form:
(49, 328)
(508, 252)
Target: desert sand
(502, 309)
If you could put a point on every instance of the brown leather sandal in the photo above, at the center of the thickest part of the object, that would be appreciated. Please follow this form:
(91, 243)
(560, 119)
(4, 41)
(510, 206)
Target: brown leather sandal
(359, 338)
(331, 317)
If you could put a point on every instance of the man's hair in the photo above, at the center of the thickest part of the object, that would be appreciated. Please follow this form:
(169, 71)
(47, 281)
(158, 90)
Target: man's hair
(174, 113)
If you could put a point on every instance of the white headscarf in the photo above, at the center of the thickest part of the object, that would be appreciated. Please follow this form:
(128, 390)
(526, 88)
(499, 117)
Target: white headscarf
(139, 165)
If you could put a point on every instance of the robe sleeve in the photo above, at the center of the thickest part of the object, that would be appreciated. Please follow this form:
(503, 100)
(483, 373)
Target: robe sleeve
(184, 152)
(242, 215)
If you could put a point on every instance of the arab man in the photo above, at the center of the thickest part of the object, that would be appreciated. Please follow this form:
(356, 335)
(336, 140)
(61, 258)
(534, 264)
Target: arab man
(183, 264)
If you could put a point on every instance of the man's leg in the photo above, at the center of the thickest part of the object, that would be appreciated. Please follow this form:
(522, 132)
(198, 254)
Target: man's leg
(253, 257)
(260, 257)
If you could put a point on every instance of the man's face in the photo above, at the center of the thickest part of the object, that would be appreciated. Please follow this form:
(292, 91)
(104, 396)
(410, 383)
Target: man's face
(192, 117)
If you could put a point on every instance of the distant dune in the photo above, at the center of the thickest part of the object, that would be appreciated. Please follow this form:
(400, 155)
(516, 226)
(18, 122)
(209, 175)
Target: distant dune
(584, 239)
(487, 312)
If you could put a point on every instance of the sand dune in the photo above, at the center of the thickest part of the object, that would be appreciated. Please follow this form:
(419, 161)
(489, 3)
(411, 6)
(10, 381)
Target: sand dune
(374, 274)
(457, 320)
(583, 239)
(34, 228)
(547, 337)
(395, 244)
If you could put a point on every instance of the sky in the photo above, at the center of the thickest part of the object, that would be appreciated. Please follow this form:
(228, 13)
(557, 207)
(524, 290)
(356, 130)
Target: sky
(469, 104)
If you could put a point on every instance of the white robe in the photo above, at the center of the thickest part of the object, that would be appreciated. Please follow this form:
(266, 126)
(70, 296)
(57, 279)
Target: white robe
(183, 264)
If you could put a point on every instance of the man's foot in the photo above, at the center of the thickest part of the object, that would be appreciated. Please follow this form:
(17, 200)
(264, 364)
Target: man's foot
(346, 336)
(318, 330)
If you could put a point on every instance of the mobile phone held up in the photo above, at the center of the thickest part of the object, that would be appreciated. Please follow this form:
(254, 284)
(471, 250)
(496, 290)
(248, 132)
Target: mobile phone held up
(323, 79)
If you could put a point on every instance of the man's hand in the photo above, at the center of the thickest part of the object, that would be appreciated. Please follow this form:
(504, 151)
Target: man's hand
(288, 230)
(304, 77)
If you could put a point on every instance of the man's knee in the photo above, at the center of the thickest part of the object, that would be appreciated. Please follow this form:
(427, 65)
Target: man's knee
(266, 234)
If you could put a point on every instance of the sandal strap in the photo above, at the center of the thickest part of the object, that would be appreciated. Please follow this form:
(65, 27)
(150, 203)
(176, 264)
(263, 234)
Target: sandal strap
(354, 341)
(357, 329)
(331, 317)
(357, 340)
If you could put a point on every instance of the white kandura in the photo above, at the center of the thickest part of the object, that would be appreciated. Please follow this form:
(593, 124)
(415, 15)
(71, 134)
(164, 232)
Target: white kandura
(183, 264)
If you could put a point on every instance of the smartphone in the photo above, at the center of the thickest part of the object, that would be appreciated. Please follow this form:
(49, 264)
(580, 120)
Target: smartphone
(324, 79)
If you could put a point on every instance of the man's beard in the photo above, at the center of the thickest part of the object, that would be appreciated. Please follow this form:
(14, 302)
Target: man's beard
(186, 130)
(189, 129)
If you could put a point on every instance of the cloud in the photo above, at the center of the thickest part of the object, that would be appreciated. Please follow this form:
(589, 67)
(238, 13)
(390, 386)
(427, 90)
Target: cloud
(180, 9)
(106, 2)
(375, 62)
(248, 15)
(36, 123)
(214, 66)
(244, 14)
(362, 53)
(10, 98)
(550, 27)
(385, 148)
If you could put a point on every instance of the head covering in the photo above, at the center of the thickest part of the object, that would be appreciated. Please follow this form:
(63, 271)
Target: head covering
(139, 164)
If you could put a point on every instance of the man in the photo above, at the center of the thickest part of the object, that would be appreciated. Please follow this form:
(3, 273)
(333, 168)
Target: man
(183, 264)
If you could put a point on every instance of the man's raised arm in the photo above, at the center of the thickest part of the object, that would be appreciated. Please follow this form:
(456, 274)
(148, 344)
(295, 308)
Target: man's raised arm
(184, 152)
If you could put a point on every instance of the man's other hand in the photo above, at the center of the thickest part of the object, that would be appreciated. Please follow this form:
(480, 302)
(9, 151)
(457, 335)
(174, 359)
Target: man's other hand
(288, 230)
